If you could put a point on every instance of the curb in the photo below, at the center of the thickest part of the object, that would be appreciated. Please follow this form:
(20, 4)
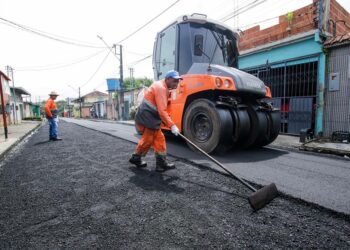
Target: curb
(322, 150)
(126, 123)
(20, 139)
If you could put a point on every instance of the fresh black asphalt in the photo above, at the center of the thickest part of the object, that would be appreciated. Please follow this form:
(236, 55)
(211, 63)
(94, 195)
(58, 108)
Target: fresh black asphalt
(312, 177)
(81, 193)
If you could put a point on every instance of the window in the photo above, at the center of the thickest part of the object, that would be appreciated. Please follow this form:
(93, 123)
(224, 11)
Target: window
(166, 44)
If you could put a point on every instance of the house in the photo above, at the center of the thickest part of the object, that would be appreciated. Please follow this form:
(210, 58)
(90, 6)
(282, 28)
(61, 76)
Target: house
(130, 100)
(30, 109)
(4, 99)
(91, 105)
(337, 90)
(69, 108)
(289, 57)
(114, 108)
(16, 104)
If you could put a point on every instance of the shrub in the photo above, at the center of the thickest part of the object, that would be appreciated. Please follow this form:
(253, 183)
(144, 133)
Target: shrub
(32, 118)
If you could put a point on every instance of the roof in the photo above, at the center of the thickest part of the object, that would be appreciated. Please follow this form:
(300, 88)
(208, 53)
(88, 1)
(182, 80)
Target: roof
(5, 76)
(21, 91)
(337, 40)
(95, 93)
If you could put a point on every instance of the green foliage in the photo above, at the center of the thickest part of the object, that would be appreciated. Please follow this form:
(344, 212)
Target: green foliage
(138, 82)
(32, 118)
(60, 106)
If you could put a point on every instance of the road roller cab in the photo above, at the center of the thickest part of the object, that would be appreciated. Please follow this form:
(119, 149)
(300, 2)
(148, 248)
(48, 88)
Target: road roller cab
(216, 105)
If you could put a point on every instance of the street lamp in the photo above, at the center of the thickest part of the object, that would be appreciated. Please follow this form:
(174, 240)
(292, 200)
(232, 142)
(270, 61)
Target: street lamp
(79, 97)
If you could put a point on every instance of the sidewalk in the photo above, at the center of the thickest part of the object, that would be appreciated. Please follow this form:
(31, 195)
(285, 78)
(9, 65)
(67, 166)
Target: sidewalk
(15, 134)
(317, 145)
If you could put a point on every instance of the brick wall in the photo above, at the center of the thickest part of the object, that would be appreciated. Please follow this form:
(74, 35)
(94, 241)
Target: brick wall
(336, 13)
(304, 19)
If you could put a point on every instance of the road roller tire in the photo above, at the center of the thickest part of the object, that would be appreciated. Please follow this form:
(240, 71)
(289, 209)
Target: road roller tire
(259, 127)
(274, 125)
(208, 126)
(266, 124)
(241, 126)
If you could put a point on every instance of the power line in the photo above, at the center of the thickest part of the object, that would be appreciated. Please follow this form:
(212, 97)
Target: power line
(45, 34)
(59, 66)
(242, 10)
(161, 13)
(258, 22)
(98, 68)
(267, 19)
(135, 53)
(138, 61)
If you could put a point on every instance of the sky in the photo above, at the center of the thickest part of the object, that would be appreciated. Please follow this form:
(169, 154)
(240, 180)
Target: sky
(42, 65)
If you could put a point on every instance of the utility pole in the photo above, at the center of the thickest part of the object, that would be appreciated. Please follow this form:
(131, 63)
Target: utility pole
(79, 102)
(3, 106)
(120, 102)
(115, 108)
(121, 82)
(10, 69)
(132, 85)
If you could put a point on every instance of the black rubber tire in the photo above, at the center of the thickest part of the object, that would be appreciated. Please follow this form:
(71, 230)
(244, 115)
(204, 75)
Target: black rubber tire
(208, 126)
(273, 128)
(259, 127)
(241, 126)
(274, 125)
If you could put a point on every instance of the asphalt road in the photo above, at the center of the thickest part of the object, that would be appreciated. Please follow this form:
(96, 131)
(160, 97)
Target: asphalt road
(81, 193)
(314, 178)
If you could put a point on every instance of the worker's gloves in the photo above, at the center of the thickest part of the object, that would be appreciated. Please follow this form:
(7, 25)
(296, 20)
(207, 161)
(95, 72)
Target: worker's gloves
(175, 130)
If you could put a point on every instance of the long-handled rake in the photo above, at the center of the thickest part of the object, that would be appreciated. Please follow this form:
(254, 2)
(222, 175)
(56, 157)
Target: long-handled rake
(259, 198)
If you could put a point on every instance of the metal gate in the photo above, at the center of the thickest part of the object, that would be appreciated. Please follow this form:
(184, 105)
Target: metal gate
(293, 86)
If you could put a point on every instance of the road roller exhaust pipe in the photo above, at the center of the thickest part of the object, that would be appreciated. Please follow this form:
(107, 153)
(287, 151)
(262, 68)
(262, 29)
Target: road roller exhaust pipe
(257, 200)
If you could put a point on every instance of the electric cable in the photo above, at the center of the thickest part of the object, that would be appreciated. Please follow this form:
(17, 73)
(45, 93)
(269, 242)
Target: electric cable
(98, 68)
(242, 10)
(58, 66)
(138, 61)
(137, 30)
(45, 34)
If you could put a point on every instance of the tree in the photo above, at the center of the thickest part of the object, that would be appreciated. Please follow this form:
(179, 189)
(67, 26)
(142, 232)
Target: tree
(138, 82)
(61, 104)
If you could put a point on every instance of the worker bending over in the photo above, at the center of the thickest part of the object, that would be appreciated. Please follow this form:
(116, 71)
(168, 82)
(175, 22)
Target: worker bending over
(150, 114)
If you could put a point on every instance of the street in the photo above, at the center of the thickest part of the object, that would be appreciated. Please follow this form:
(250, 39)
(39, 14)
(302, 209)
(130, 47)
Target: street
(81, 193)
(311, 177)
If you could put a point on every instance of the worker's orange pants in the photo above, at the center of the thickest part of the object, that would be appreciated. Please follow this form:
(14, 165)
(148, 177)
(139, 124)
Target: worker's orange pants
(151, 138)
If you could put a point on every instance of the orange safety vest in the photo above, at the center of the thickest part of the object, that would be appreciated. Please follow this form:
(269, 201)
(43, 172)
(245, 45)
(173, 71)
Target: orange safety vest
(153, 109)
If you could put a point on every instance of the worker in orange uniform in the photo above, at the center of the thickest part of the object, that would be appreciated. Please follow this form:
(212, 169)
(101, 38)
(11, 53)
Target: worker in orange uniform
(51, 115)
(150, 114)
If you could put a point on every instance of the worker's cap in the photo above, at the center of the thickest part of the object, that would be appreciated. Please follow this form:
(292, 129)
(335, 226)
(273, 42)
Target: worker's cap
(53, 93)
(173, 74)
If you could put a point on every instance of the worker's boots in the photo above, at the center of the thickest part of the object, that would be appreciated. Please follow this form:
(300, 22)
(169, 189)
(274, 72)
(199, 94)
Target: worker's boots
(136, 159)
(162, 164)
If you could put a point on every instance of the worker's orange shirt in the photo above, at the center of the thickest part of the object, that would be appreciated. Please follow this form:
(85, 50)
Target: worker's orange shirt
(50, 105)
(157, 94)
